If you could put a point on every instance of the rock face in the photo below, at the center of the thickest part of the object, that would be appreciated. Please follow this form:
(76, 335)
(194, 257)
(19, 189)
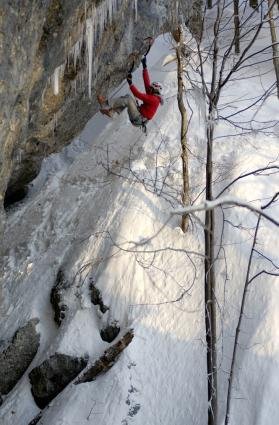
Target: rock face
(53, 375)
(17, 356)
(56, 297)
(96, 298)
(110, 332)
(51, 62)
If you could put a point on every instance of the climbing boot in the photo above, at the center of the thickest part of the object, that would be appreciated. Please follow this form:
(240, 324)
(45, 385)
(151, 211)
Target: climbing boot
(107, 112)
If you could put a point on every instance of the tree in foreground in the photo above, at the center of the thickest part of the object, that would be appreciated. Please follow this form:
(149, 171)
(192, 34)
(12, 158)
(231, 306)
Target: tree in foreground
(221, 56)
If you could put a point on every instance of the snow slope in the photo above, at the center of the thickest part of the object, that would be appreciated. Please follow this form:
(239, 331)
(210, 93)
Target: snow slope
(92, 211)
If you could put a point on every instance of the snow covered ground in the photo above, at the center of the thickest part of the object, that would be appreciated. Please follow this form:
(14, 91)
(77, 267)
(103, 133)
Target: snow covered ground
(89, 212)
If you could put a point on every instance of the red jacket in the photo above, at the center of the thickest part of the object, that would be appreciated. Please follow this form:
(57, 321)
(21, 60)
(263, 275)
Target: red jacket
(150, 101)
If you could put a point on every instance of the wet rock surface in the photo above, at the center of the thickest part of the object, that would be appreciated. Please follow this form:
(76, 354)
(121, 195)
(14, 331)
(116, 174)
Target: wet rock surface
(53, 375)
(17, 355)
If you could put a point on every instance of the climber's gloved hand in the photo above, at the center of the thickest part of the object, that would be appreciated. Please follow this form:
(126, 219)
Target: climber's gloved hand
(143, 61)
(129, 79)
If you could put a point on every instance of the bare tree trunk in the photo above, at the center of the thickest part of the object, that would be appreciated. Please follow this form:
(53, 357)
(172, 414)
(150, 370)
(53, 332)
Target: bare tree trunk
(236, 27)
(245, 291)
(212, 90)
(248, 280)
(209, 4)
(107, 360)
(275, 48)
(209, 285)
(209, 236)
(183, 134)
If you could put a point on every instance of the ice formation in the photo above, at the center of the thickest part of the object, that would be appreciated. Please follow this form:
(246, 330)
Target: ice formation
(90, 45)
(136, 10)
(57, 75)
(91, 32)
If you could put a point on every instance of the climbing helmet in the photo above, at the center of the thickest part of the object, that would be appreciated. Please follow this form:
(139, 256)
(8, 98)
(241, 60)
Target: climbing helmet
(157, 87)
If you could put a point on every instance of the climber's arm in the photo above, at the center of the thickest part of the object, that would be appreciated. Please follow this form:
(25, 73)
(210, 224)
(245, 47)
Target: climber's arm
(146, 79)
(142, 96)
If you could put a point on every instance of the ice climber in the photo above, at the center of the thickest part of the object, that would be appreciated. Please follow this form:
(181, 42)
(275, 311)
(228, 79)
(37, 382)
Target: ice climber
(139, 115)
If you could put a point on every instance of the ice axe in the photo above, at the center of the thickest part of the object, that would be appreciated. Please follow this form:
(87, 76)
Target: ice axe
(149, 41)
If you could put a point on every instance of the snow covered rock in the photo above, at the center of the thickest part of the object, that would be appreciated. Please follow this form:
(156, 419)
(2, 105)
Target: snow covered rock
(110, 332)
(53, 375)
(18, 355)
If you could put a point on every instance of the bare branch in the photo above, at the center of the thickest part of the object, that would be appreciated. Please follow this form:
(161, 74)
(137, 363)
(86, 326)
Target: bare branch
(262, 272)
(250, 173)
(210, 205)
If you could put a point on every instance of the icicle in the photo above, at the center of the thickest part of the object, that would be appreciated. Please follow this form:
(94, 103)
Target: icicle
(90, 42)
(56, 81)
(76, 52)
(95, 23)
(43, 95)
(18, 156)
(136, 10)
(109, 11)
(92, 33)
(101, 18)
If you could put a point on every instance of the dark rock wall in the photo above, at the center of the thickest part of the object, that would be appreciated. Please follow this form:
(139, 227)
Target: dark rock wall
(53, 375)
(17, 356)
(19, 68)
(35, 38)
